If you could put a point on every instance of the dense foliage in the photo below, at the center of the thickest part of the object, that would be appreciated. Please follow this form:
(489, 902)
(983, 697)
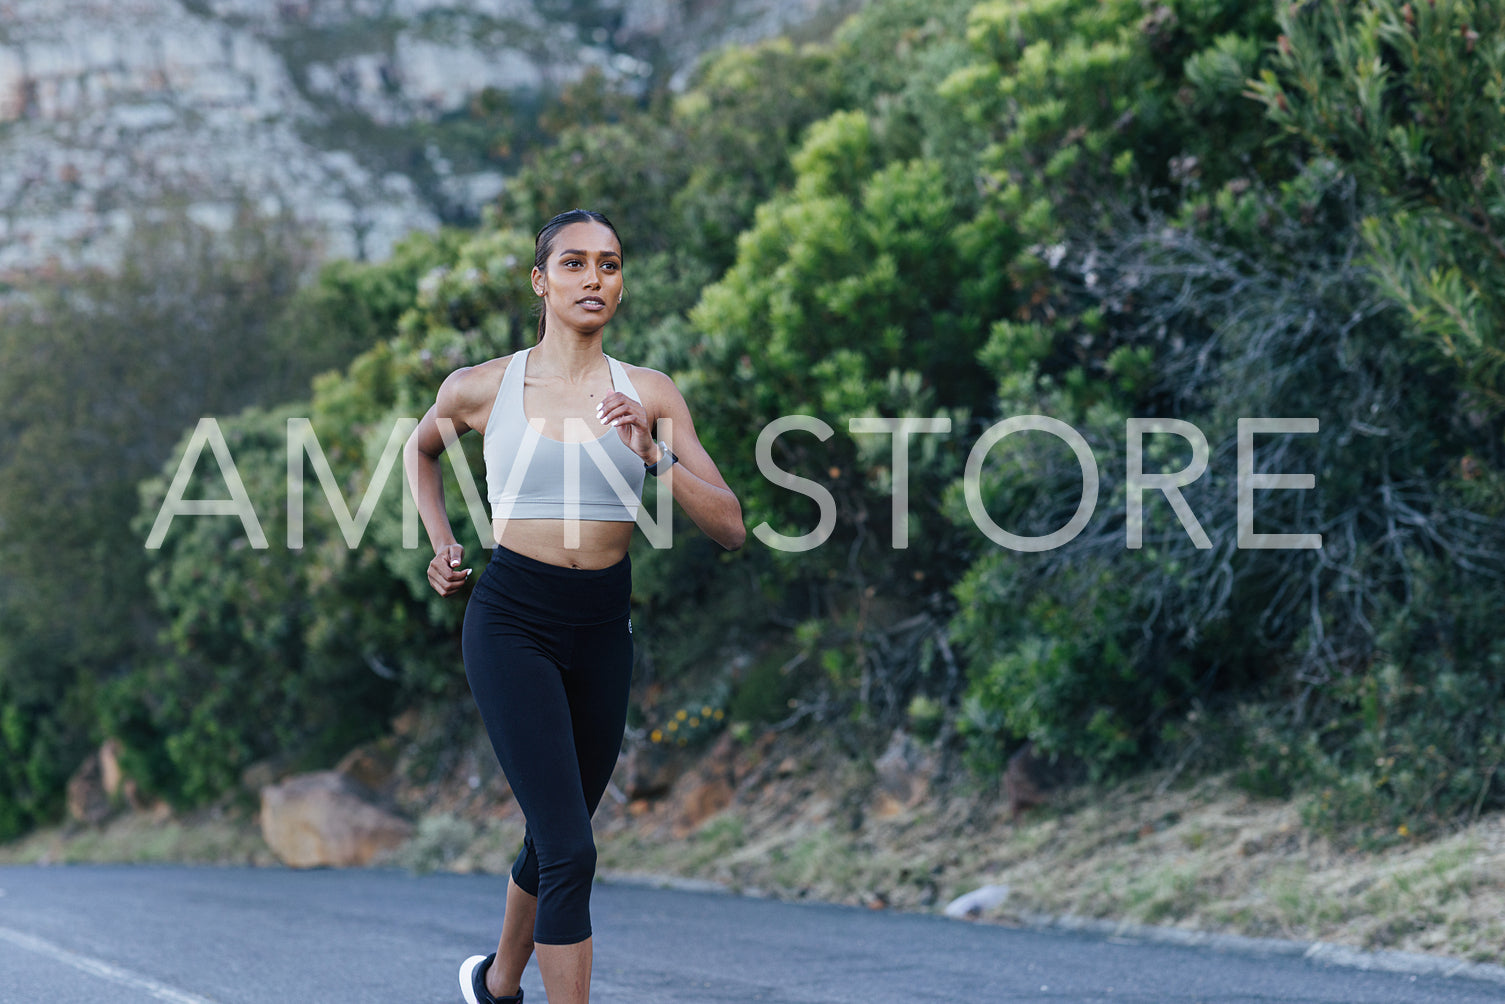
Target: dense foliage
(1149, 223)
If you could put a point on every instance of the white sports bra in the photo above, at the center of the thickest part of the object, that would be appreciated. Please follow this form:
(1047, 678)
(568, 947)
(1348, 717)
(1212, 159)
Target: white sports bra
(530, 476)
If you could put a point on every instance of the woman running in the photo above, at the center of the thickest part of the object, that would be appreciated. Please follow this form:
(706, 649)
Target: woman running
(569, 434)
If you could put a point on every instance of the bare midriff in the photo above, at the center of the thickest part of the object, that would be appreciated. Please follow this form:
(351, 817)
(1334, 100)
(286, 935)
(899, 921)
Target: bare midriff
(599, 543)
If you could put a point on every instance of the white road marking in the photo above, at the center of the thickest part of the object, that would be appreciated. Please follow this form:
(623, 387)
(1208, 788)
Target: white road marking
(97, 967)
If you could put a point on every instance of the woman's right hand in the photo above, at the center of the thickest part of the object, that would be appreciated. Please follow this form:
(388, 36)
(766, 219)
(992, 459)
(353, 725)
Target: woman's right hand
(445, 573)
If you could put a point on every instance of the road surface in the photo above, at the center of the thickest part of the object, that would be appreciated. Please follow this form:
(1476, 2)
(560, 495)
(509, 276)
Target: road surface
(143, 935)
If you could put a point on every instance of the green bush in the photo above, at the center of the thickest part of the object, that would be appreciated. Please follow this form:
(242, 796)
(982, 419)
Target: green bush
(98, 375)
(762, 695)
(242, 673)
(1410, 98)
(1103, 651)
(1414, 742)
(1198, 210)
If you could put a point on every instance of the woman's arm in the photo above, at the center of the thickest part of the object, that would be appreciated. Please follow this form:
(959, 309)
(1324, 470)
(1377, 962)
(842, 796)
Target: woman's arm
(695, 481)
(449, 417)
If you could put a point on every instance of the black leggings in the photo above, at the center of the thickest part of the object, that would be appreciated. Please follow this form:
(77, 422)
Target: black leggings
(548, 652)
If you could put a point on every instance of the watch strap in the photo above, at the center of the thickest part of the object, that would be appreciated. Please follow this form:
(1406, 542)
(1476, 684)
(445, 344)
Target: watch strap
(665, 461)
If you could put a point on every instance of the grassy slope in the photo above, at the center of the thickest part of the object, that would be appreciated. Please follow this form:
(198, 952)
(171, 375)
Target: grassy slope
(1196, 854)
(806, 823)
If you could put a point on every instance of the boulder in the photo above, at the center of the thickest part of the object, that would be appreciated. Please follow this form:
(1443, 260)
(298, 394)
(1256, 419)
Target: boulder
(325, 819)
(702, 797)
(977, 902)
(110, 774)
(372, 765)
(119, 786)
(262, 773)
(88, 801)
(708, 789)
(649, 770)
(904, 771)
(1031, 777)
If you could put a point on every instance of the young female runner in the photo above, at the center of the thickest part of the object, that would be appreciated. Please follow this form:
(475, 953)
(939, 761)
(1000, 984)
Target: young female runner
(568, 436)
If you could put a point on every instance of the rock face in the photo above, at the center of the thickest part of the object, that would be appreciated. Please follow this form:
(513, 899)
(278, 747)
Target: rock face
(1030, 778)
(326, 820)
(650, 771)
(87, 800)
(701, 793)
(112, 108)
(111, 776)
(100, 787)
(684, 29)
(903, 774)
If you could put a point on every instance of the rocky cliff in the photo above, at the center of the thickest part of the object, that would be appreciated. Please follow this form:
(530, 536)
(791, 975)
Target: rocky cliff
(332, 111)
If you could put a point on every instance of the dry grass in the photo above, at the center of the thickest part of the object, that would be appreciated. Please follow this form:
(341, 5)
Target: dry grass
(1213, 858)
(1199, 855)
(144, 838)
(1203, 855)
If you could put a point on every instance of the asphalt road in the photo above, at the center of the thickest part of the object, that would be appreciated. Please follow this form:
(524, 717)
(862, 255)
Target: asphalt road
(131, 935)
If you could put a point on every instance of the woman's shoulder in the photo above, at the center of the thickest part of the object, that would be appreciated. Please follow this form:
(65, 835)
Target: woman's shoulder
(647, 378)
(471, 387)
(657, 390)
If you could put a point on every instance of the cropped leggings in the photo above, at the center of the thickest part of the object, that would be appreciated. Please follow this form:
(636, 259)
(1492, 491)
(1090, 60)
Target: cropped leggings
(548, 653)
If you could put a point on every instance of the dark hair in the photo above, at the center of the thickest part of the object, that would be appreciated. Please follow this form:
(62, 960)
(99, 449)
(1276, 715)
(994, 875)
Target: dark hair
(543, 244)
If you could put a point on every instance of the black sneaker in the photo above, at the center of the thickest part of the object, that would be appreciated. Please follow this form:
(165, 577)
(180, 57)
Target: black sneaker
(473, 982)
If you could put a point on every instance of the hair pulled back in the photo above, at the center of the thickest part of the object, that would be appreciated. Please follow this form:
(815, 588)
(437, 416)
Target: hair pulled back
(543, 244)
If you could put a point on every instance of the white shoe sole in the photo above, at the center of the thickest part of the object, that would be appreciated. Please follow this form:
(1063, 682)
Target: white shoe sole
(467, 977)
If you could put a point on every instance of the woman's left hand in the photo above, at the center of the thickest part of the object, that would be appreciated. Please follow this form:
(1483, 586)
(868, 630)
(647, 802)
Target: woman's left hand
(630, 419)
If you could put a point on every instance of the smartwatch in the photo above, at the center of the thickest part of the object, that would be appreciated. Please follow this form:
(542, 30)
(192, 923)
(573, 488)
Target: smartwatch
(664, 462)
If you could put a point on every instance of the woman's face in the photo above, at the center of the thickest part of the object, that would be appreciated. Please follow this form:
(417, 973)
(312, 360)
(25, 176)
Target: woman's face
(582, 283)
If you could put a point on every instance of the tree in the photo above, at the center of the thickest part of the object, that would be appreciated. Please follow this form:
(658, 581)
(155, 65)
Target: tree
(1410, 98)
(98, 376)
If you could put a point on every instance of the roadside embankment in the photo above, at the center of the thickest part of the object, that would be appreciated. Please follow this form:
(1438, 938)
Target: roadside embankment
(792, 816)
